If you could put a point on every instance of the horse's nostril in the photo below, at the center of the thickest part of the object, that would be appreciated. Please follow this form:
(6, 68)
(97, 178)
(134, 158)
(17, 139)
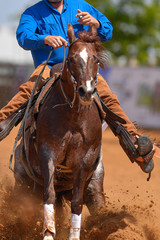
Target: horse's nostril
(81, 92)
(86, 93)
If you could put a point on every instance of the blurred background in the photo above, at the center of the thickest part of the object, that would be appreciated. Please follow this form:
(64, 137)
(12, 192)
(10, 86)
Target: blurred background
(133, 71)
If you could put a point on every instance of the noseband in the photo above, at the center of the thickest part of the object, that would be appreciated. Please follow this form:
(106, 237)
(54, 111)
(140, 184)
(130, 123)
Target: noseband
(67, 60)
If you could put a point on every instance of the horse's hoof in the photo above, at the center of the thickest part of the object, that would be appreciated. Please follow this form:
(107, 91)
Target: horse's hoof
(48, 238)
(144, 145)
(74, 239)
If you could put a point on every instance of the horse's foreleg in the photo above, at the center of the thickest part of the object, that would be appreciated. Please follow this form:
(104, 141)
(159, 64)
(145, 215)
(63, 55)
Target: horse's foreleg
(49, 222)
(75, 227)
(93, 195)
(77, 204)
(47, 168)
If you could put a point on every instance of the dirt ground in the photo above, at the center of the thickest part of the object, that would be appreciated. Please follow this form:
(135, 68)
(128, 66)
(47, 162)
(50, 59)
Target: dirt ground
(133, 204)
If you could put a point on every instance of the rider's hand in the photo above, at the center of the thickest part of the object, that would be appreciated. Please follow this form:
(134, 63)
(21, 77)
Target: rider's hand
(86, 19)
(55, 41)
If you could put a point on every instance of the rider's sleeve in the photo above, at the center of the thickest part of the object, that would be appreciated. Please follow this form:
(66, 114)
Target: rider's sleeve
(26, 34)
(105, 29)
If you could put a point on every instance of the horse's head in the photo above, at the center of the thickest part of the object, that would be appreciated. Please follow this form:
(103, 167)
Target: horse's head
(82, 62)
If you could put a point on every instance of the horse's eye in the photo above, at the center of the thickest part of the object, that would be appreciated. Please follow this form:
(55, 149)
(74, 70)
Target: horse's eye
(96, 59)
(71, 60)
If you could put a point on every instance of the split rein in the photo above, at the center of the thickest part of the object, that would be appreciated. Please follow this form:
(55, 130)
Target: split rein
(22, 126)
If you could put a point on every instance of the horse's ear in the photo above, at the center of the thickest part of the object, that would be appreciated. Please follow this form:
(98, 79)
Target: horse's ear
(70, 33)
(93, 30)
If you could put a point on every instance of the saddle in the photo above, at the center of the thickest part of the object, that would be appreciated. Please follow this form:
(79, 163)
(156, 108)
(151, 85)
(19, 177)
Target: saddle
(15, 117)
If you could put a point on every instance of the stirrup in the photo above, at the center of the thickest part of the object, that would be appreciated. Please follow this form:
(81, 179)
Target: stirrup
(9, 123)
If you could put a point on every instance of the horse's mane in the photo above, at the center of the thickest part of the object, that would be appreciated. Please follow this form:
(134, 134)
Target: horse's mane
(91, 38)
(96, 41)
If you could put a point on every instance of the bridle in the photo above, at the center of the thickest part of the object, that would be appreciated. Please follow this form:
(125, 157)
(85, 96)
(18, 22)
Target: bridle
(67, 61)
(70, 103)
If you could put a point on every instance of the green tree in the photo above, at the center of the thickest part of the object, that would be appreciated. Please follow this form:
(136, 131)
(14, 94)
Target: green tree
(136, 26)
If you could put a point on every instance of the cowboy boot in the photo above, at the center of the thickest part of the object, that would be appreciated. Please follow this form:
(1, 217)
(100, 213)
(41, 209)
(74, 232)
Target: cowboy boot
(4, 130)
(3, 125)
(7, 124)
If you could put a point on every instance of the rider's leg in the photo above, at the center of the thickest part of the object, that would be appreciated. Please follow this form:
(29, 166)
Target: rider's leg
(24, 93)
(111, 100)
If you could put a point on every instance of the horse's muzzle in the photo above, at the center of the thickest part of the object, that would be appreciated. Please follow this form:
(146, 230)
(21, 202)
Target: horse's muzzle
(86, 95)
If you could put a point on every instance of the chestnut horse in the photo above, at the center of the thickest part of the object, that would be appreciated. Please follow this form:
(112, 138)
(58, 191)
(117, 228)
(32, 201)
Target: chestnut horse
(68, 136)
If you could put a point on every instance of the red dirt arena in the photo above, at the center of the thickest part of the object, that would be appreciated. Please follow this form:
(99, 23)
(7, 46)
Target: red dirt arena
(133, 204)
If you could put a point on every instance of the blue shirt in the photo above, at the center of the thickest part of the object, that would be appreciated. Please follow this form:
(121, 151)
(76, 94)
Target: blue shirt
(43, 19)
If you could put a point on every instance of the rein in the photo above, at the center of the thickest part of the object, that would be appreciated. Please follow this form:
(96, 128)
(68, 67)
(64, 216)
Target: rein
(70, 103)
(27, 109)
(22, 127)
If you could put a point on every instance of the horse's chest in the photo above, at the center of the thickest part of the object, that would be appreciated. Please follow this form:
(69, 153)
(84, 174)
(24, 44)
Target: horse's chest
(84, 139)
(82, 148)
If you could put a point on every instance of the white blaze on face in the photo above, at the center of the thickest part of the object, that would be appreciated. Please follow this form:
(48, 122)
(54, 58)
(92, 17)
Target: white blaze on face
(89, 85)
(84, 55)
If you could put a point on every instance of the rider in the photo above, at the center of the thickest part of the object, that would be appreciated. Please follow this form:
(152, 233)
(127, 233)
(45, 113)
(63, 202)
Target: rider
(44, 25)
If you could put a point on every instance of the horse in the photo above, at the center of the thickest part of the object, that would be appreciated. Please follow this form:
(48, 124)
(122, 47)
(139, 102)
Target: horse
(65, 152)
